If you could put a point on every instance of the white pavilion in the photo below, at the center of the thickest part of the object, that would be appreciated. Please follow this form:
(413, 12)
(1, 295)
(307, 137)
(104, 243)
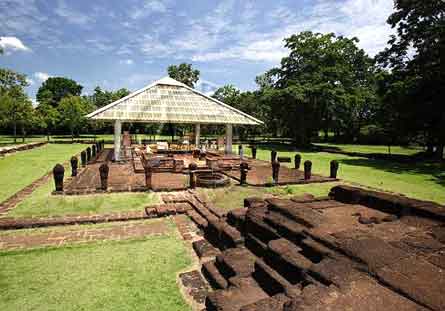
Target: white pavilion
(170, 101)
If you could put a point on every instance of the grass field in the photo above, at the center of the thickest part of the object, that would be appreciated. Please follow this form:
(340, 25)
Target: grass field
(20, 169)
(373, 148)
(126, 275)
(233, 196)
(423, 180)
(41, 203)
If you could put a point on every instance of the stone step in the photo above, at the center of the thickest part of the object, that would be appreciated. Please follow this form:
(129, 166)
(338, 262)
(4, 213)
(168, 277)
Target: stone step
(285, 226)
(271, 281)
(296, 211)
(235, 262)
(256, 246)
(253, 202)
(204, 249)
(213, 276)
(256, 226)
(246, 292)
(275, 303)
(285, 258)
(237, 217)
(198, 219)
(230, 236)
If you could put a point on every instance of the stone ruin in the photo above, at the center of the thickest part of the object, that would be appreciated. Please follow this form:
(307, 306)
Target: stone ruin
(354, 250)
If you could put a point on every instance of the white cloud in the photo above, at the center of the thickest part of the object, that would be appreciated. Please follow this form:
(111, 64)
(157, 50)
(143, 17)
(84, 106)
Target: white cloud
(71, 15)
(41, 76)
(126, 61)
(206, 87)
(149, 7)
(13, 44)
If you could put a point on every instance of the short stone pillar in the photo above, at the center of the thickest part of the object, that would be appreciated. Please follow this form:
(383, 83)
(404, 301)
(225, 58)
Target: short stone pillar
(74, 163)
(88, 154)
(148, 174)
(93, 151)
(195, 153)
(297, 161)
(275, 171)
(103, 170)
(240, 149)
(334, 169)
(307, 169)
(58, 172)
(83, 158)
(253, 148)
(273, 156)
(244, 169)
(192, 172)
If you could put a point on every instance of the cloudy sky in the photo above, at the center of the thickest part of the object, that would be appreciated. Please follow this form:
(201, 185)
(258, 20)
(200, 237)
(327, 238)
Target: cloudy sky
(115, 43)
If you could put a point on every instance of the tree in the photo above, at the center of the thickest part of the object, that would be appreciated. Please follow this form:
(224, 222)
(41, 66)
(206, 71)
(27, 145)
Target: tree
(325, 82)
(55, 88)
(413, 58)
(11, 80)
(184, 73)
(72, 110)
(47, 117)
(228, 94)
(16, 110)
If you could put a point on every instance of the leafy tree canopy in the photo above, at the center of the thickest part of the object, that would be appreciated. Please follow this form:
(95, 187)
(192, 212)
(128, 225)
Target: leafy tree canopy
(184, 73)
(56, 88)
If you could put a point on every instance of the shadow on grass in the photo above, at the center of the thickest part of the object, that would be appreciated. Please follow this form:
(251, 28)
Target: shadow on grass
(436, 170)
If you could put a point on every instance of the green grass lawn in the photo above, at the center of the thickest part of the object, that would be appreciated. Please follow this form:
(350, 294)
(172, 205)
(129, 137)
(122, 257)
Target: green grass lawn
(20, 169)
(41, 203)
(373, 148)
(423, 180)
(233, 197)
(124, 275)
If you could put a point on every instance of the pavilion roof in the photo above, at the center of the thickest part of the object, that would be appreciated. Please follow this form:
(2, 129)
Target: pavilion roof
(170, 101)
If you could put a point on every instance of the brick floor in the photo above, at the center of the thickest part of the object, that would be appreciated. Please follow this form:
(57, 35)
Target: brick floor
(57, 236)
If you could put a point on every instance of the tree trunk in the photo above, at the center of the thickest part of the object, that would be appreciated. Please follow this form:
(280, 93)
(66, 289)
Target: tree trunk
(15, 131)
(72, 134)
(439, 151)
(23, 133)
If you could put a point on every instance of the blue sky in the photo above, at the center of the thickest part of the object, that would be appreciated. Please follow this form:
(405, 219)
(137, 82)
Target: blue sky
(115, 43)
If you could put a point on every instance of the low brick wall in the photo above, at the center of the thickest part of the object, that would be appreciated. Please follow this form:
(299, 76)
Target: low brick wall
(15, 148)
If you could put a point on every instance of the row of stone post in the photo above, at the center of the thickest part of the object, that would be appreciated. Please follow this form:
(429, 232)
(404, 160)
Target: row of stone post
(85, 156)
(307, 165)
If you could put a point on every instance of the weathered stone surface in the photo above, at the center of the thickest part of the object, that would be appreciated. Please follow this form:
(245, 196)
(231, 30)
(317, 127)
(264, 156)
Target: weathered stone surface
(230, 236)
(374, 252)
(418, 279)
(254, 202)
(204, 249)
(194, 285)
(256, 226)
(198, 219)
(297, 211)
(236, 218)
(272, 303)
(271, 281)
(307, 197)
(236, 262)
(215, 279)
(285, 226)
(234, 298)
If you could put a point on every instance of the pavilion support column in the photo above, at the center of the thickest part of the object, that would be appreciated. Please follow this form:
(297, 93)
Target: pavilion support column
(229, 134)
(197, 134)
(117, 139)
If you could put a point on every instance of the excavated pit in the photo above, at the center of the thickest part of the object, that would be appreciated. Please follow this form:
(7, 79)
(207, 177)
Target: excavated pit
(354, 250)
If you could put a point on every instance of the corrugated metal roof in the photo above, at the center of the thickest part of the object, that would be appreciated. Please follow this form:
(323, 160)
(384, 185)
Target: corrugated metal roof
(170, 101)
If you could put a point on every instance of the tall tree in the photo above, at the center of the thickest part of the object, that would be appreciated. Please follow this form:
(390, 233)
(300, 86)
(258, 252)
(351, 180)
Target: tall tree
(47, 117)
(184, 73)
(325, 82)
(414, 59)
(72, 110)
(55, 88)
(16, 110)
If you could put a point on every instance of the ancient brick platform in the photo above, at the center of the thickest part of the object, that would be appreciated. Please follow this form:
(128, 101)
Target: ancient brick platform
(122, 178)
(260, 174)
(355, 250)
(58, 237)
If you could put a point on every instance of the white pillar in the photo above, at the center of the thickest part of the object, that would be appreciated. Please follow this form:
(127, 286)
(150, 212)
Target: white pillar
(229, 130)
(117, 139)
(197, 134)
